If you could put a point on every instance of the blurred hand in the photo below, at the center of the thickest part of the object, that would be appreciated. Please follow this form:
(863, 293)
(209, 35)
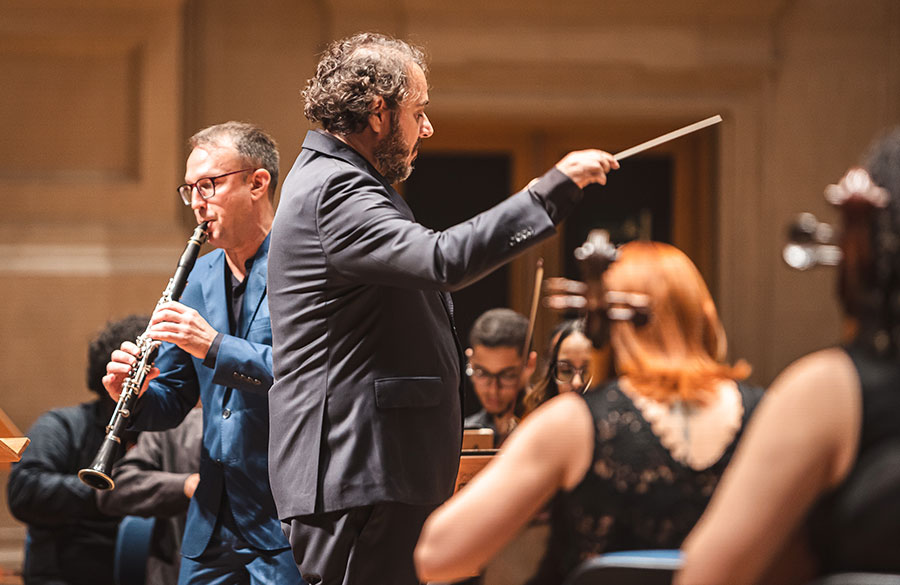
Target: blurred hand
(119, 367)
(183, 326)
(587, 166)
(190, 484)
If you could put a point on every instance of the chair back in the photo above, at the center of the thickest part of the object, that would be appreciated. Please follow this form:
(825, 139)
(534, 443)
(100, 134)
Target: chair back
(858, 579)
(132, 550)
(637, 567)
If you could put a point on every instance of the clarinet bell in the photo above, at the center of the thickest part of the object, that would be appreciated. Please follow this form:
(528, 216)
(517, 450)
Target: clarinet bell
(99, 474)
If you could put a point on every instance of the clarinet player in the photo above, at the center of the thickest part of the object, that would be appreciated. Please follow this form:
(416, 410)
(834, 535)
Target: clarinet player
(217, 349)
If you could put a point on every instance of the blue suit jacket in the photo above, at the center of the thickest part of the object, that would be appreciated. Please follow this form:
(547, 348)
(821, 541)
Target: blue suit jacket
(235, 407)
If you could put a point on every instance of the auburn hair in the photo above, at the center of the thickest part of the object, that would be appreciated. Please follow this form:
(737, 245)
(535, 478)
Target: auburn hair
(679, 353)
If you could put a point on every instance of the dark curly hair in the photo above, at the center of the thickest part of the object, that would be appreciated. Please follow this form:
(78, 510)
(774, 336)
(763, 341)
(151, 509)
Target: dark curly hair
(109, 339)
(354, 71)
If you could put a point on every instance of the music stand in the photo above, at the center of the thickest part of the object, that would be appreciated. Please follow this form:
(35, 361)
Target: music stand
(477, 439)
(12, 443)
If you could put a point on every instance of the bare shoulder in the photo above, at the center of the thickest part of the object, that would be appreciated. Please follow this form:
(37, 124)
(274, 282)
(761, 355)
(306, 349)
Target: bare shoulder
(564, 416)
(816, 404)
(562, 429)
(827, 371)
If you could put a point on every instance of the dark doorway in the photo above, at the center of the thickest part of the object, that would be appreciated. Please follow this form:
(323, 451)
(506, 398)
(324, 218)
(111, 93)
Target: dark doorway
(450, 188)
(636, 203)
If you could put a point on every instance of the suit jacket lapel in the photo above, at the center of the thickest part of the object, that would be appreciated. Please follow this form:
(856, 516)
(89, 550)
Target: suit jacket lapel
(255, 293)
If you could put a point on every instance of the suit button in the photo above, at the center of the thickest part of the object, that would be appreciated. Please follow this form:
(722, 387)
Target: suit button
(226, 413)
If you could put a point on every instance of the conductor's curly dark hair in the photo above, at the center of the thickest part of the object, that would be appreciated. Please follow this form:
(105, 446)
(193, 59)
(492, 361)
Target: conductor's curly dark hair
(354, 71)
(108, 340)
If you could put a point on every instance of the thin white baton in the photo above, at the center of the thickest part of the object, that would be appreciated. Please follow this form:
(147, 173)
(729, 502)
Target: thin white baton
(667, 137)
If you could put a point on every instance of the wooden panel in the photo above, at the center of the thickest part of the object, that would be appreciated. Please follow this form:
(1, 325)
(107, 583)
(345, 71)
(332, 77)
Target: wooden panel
(73, 115)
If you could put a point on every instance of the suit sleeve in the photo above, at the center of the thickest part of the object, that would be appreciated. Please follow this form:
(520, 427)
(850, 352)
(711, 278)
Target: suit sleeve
(42, 489)
(171, 395)
(367, 237)
(243, 365)
(143, 488)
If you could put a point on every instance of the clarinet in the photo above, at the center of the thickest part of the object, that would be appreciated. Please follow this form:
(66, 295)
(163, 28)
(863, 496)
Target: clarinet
(98, 475)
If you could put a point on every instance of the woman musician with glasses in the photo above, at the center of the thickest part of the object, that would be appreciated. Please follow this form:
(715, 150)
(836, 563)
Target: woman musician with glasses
(632, 463)
(569, 367)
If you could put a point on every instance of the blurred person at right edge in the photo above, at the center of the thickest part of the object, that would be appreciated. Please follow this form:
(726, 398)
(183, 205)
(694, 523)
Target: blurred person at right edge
(634, 462)
(814, 487)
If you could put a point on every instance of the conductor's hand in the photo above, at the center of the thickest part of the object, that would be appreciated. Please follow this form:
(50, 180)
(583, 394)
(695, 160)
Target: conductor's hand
(119, 367)
(587, 166)
(183, 326)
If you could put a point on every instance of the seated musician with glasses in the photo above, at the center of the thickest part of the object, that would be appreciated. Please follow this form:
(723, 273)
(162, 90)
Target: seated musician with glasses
(498, 372)
(632, 463)
(569, 366)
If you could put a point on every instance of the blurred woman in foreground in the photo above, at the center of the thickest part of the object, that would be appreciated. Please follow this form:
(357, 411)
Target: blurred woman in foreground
(636, 460)
(814, 488)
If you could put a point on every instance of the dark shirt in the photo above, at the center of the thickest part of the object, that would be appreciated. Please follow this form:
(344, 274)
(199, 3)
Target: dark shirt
(234, 292)
(856, 526)
(69, 539)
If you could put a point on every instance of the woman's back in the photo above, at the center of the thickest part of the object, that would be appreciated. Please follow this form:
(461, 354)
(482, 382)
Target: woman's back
(643, 489)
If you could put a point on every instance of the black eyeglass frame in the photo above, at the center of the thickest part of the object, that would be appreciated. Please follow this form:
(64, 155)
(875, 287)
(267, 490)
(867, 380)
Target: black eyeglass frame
(584, 371)
(186, 190)
(490, 376)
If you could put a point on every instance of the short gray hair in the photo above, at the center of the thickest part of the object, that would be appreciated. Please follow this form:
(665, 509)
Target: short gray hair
(254, 145)
(354, 71)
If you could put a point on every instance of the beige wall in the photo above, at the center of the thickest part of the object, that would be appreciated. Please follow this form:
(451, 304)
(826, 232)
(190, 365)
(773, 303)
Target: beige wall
(99, 97)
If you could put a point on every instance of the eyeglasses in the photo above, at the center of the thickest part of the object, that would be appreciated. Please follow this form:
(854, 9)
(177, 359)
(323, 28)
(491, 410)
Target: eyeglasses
(206, 187)
(565, 373)
(508, 378)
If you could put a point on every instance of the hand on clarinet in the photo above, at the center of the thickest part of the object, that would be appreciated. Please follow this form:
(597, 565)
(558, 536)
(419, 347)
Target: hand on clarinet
(183, 326)
(585, 167)
(119, 367)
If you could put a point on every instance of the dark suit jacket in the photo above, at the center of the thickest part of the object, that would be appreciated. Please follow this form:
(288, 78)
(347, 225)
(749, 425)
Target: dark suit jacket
(70, 540)
(366, 402)
(235, 407)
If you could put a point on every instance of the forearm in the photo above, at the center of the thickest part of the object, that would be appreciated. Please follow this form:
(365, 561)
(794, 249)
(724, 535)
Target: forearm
(144, 492)
(49, 498)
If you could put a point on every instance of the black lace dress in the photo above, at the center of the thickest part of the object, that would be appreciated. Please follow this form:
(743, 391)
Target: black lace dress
(635, 495)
